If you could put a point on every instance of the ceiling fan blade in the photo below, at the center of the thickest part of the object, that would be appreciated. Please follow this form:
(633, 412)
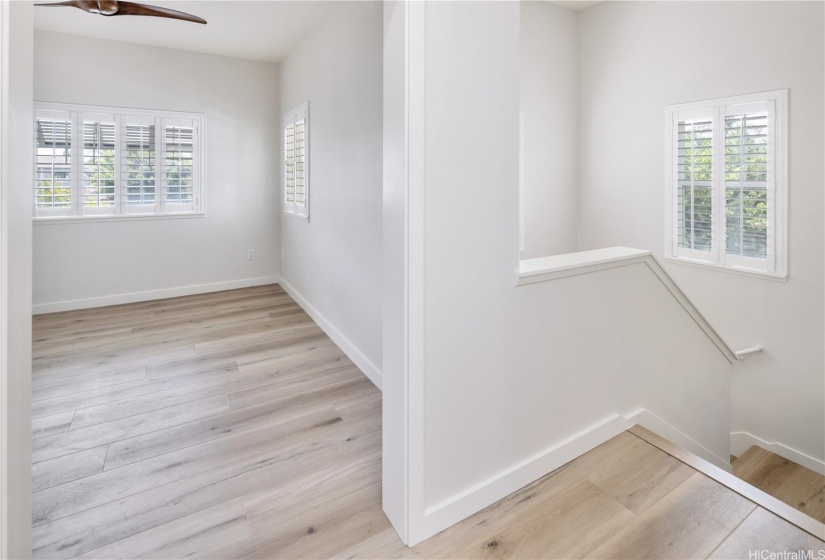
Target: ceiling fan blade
(133, 9)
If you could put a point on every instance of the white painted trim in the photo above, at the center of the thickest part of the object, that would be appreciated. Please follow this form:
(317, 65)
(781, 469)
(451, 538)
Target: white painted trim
(584, 262)
(727, 269)
(570, 264)
(742, 441)
(134, 297)
(488, 492)
(345, 344)
(688, 306)
(414, 290)
(65, 220)
(474, 499)
(655, 424)
(4, 315)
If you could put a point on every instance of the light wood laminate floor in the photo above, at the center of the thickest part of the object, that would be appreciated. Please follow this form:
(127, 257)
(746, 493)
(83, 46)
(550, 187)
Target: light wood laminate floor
(785, 480)
(228, 425)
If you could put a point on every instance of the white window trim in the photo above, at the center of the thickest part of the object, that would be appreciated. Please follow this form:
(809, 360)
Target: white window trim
(291, 209)
(729, 263)
(79, 214)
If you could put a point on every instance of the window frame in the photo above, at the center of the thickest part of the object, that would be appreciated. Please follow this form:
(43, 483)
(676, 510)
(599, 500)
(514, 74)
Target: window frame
(78, 213)
(290, 117)
(776, 264)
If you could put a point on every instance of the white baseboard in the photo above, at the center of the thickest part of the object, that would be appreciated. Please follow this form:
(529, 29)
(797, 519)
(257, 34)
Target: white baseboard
(135, 297)
(353, 352)
(451, 511)
(474, 499)
(658, 426)
(742, 441)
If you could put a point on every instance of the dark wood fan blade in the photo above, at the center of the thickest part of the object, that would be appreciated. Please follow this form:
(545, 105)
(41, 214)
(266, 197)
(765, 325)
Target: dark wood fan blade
(133, 9)
(107, 7)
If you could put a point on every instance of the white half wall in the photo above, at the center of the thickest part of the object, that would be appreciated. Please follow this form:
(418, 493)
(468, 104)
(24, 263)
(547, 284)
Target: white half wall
(549, 101)
(80, 265)
(632, 66)
(503, 383)
(16, 280)
(333, 261)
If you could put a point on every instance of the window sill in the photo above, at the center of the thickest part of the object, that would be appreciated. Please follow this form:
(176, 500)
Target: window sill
(773, 276)
(571, 264)
(295, 216)
(64, 220)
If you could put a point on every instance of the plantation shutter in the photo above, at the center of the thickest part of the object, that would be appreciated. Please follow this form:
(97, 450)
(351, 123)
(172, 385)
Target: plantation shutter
(53, 163)
(180, 164)
(749, 189)
(138, 169)
(296, 162)
(728, 183)
(99, 165)
(693, 219)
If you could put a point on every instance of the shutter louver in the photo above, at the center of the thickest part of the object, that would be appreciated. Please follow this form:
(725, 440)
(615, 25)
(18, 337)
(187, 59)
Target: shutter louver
(53, 138)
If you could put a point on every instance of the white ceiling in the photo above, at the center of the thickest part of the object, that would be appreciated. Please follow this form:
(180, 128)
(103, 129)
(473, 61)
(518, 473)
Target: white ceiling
(257, 30)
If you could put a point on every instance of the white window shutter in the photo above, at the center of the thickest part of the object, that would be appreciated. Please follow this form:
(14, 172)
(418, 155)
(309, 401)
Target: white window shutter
(98, 169)
(180, 163)
(54, 161)
(727, 181)
(139, 165)
(693, 216)
(749, 185)
(296, 161)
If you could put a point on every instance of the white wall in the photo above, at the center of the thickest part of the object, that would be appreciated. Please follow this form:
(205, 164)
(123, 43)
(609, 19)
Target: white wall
(15, 305)
(511, 375)
(549, 100)
(333, 262)
(167, 257)
(633, 64)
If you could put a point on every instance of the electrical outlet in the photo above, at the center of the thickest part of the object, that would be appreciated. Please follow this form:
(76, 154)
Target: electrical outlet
(250, 254)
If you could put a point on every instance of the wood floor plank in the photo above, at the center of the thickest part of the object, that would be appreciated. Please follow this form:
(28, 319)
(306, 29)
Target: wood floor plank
(223, 524)
(102, 525)
(690, 522)
(51, 425)
(764, 531)
(574, 524)
(49, 447)
(747, 460)
(642, 477)
(64, 388)
(338, 370)
(91, 403)
(55, 472)
(132, 450)
(111, 485)
(105, 361)
(794, 484)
